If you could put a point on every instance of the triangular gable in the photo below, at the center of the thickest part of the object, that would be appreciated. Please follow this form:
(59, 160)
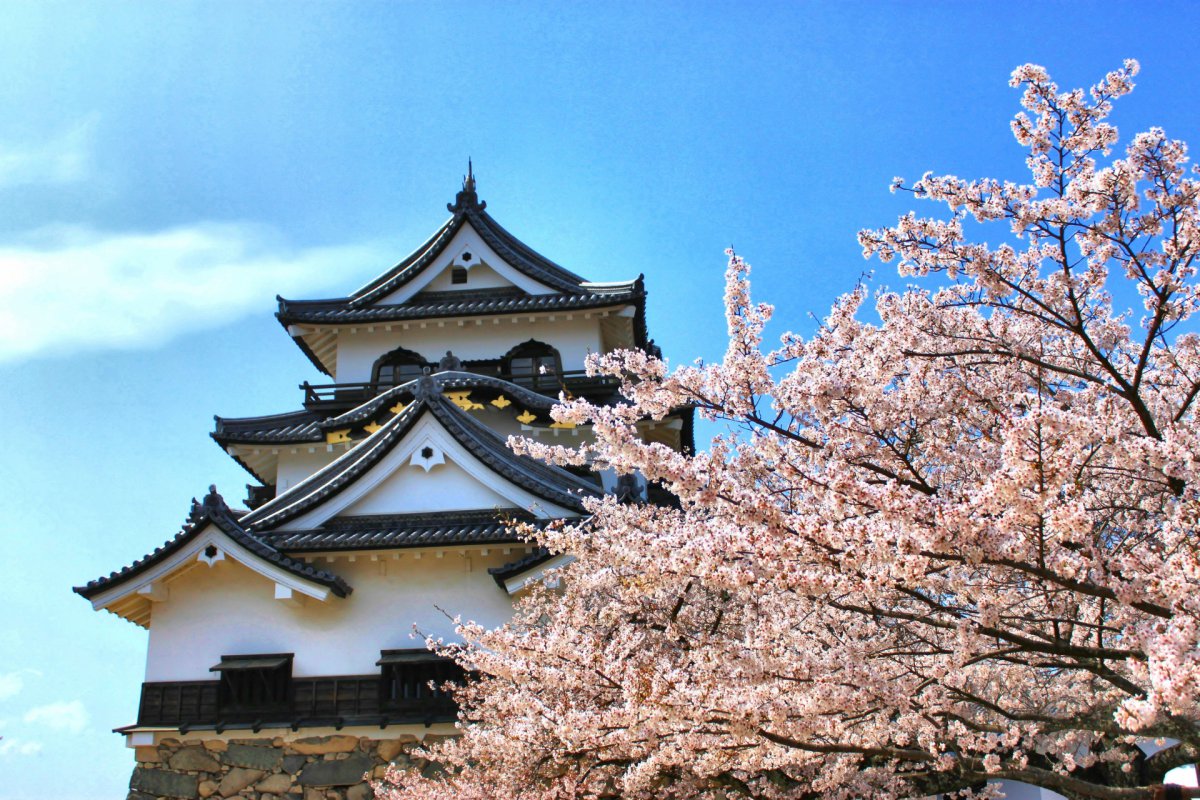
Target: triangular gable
(133, 598)
(485, 269)
(543, 490)
(484, 232)
(428, 470)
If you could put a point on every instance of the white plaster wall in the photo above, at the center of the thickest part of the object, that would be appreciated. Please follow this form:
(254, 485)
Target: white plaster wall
(228, 609)
(411, 490)
(479, 276)
(493, 337)
(296, 466)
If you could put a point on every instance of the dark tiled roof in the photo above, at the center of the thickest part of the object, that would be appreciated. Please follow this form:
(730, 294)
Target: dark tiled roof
(543, 480)
(293, 426)
(407, 530)
(512, 569)
(451, 304)
(448, 381)
(213, 510)
(467, 208)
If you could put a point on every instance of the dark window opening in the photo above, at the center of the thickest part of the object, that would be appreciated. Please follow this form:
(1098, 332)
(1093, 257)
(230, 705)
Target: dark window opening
(399, 366)
(458, 274)
(254, 683)
(534, 364)
(415, 680)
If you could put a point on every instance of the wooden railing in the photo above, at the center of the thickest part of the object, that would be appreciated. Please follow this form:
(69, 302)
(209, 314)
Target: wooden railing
(352, 394)
(328, 701)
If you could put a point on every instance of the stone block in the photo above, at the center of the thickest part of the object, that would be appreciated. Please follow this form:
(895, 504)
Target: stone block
(147, 755)
(277, 783)
(194, 759)
(389, 749)
(362, 791)
(345, 772)
(216, 745)
(208, 788)
(319, 745)
(244, 755)
(160, 783)
(293, 764)
(237, 779)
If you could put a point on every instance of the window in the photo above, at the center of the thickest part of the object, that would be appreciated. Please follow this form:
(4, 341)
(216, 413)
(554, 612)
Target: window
(406, 676)
(534, 364)
(458, 275)
(254, 683)
(397, 367)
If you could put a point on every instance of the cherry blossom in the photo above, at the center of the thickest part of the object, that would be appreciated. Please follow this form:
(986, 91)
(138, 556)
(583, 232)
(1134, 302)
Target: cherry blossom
(948, 542)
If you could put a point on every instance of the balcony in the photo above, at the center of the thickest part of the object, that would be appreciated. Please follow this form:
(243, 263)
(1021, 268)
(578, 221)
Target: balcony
(310, 702)
(347, 395)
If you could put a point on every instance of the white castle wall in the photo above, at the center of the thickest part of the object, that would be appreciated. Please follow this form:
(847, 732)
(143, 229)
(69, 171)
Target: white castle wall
(296, 466)
(228, 609)
(574, 339)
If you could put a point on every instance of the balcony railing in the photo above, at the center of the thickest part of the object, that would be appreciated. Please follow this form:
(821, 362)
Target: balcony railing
(327, 702)
(351, 394)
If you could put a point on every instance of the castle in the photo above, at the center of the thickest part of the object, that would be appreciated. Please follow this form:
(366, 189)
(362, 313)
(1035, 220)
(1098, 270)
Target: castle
(281, 658)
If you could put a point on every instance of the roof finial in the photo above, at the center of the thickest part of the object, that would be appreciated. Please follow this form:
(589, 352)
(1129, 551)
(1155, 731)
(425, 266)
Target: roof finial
(467, 200)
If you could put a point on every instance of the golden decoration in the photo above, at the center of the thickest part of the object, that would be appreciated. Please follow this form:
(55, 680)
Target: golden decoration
(502, 402)
(526, 417)
(374, 426)
(338, 437)
(567, 426)
(396, 409)
(463, 400)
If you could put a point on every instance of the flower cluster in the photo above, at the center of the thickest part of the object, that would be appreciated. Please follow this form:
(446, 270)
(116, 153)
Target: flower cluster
(955, 545)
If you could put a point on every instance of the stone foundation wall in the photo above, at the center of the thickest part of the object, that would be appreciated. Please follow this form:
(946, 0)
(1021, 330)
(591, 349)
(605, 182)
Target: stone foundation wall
(315, 768)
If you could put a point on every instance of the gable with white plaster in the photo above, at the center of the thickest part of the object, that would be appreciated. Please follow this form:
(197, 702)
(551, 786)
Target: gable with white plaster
(409, 496)
(467, 241)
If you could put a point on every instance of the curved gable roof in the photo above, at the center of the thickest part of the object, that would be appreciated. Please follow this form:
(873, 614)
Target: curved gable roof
(468, 209)
(542, 480)
(214, 511)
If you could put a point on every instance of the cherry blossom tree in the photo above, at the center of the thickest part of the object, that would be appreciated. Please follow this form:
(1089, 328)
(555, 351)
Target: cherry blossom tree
(950, 542)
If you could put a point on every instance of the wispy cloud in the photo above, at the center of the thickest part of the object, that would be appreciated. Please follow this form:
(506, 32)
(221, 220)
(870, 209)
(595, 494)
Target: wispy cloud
(62, 158)
(11, 683)
(19, 747)
(69, 289)
(67, 716)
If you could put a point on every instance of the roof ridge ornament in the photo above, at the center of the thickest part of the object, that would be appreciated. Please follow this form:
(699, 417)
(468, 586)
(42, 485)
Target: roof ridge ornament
(427, 386)
(467, 199)
(213, 503)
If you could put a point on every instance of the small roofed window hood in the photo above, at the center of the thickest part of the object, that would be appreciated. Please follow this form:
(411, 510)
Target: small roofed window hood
(254, 683)
(413, 680)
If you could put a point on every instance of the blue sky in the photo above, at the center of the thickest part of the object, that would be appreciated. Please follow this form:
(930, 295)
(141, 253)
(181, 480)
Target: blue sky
(165, 170)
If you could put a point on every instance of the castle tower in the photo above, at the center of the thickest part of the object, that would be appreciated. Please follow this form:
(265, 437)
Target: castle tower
(281, 661)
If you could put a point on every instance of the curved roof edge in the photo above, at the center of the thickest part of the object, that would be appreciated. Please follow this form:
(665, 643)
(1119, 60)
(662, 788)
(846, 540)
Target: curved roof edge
(542, 480)
(214, 511)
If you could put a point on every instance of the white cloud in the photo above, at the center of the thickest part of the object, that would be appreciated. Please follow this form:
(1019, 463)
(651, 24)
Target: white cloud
(65, 289)
(11, 684)
(67, 716)
(63, 158)
(19, 747)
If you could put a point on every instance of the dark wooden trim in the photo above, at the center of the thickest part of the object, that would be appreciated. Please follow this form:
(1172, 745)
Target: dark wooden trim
(329, 701)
